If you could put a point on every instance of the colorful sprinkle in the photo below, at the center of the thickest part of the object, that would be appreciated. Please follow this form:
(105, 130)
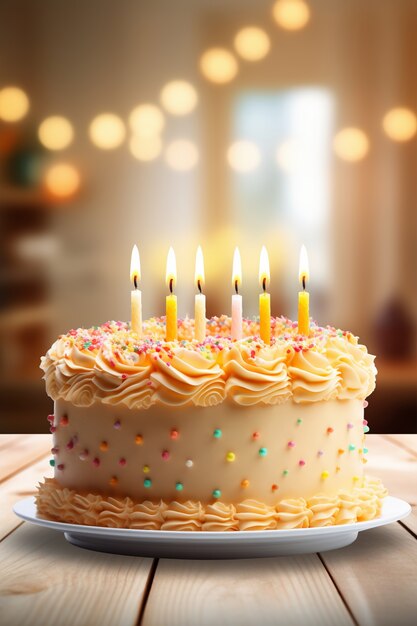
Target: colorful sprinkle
(96, 462)
(274, 487)
(330, 430)
(165, 455)
(286, 472)
(51, 418)
(138, 440)
(60, 466)
(113, 481)
(355, 479)
(349, 426)
(64, 420)
(54, 450)
(301, 462)
(147, 483)
(340, 451)
(365, 404)
(324, 475)
(365, 450)
(366, 429)
(217, 433)
(299, 421)
(174, 434)
(179, 486)
(52, 462)
(189, 463)
(245, 483)
(104, 446)
(52, 429)
(230, 457)
(263, 451)
(320, 452)
(83, 455)
(256, 435)
(291, 444)
(70, 444)
(337, 468)
(216, 493)
(117, 424)
(352, 447)
(122, 462)
(146, 469)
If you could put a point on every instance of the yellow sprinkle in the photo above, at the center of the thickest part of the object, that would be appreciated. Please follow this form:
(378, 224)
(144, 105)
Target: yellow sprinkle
(355, 479)
(325, 475)
(244, 483)
(146, 469)
(230, 457)
(104, 446)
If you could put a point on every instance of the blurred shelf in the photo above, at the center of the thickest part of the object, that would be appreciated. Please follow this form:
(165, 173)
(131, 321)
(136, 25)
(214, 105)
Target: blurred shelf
(25, 316)
(397, 374)
(21, 198)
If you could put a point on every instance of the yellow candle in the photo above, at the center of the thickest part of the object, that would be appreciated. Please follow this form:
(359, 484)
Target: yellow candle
(135, 294)
(264, 298)
(200, 298)
(171, 299)
(236, 298)
(303, 296)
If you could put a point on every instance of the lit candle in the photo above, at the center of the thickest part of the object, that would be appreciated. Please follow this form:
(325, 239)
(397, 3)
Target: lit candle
(171, 299)
(236, 298)
(303, 296)
(264, 298)
(135, 294)
(200, 298)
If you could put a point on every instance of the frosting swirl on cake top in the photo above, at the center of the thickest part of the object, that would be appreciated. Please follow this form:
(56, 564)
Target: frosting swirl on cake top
(110, 364)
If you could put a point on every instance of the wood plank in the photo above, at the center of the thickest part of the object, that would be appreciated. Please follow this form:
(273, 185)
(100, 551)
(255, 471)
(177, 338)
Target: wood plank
(408, 442)
(410, 522)
(20, 486)
(279, 591)
(20, 453)
(396, 467)
(47, 581)
(6, 440)
(376, 575)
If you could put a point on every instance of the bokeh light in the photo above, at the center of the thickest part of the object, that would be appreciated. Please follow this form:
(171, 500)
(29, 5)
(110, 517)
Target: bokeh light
(400, 124)
(181, 155)
(107, 131)
(252, 43)
(56, 132)
(147, 120)
(14, 104)
(179, 97)
(145, 148)
(218, 65)
(243, 156)
(291, 14)
(351, 144)
(288, 155)
(62, 180)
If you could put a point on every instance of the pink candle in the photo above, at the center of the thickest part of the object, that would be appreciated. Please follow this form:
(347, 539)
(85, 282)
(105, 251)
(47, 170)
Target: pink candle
(236, 298)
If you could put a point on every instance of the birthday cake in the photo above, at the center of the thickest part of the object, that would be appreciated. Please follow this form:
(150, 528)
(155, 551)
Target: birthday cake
(217, 435)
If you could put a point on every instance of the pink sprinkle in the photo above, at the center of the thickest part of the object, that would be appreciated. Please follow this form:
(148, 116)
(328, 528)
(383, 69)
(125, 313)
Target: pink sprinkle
(365, 422)
(291, 444)
(301, 463)
(112, 363)
(70, 444)
(165, 455)
(50, 418)
(83, 455)
(117, 424)
(149, 383)
(350, 425)
(55, 450)
(122, 462)
(365, 404)
(174, 434)
(52, 429)
(60, 466)
(124, 376)
(96, 462)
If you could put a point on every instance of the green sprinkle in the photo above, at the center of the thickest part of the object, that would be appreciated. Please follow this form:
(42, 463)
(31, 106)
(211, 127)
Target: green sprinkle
(286, 472)
(299, 421)
(262, 452)
(52, 462)
(217, 433)
(147, 483)
(217, 493)
(352, 447)
(366, 429)
(179, 486)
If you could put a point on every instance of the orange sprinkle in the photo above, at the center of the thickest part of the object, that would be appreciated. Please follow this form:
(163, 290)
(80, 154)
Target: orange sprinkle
(139, 440)
(113, 480)
(330, 430)
(274, 487)
(340, 451)
(104, 446)
(244, 483)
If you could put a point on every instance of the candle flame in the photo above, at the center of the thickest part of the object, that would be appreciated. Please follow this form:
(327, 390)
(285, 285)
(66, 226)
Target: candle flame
(171, 271)
(264, 275)
(237, 270)
(304, 271)
(135, 266)
(199, 269)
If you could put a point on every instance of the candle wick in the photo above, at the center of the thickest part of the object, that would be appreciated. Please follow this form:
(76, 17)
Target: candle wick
(199, 285)
(304, 282)
(236, 286)
(264, 283)
(171, 280)
(135, 281)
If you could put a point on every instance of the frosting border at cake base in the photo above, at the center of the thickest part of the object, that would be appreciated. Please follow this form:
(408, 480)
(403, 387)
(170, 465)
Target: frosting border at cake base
(363, 503)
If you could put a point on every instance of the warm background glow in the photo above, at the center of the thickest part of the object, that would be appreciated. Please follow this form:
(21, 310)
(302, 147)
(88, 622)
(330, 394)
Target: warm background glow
(252, 43)
(351, 144)
(56, 133)
(14, 104)
(243, 156)
(181, 155)
(218, 65)
(62, 180)
(145, 148)
(107, 131)
(179, 97)
(291, 14)
(400, 124)
(146, 119)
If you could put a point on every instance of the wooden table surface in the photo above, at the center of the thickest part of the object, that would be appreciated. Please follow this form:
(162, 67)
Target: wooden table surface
(45, 580)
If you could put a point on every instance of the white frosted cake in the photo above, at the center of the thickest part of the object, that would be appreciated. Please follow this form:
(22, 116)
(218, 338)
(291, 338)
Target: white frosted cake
(213, 436)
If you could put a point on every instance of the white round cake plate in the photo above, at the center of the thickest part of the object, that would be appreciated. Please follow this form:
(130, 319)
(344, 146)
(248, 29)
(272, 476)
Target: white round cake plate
(213, 545)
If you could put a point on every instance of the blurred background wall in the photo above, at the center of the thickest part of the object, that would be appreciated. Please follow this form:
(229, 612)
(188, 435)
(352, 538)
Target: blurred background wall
(215, 123)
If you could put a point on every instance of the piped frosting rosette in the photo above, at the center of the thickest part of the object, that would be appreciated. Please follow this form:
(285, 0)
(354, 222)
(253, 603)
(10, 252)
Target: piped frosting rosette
(188, 378)
(313, 378)
(355, 367)
(256, 377)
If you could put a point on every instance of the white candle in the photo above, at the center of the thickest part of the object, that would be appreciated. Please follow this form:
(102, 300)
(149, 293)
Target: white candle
(135, 294)
(236, 298)
(200, 298)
